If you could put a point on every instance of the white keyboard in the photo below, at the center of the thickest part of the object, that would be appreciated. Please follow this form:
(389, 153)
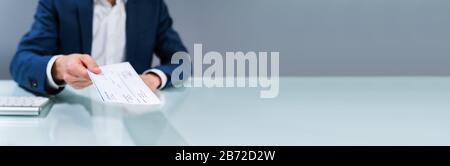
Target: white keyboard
(22, 105)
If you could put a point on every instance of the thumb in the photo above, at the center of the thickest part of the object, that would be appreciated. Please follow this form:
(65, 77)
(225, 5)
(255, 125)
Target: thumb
(90, 64)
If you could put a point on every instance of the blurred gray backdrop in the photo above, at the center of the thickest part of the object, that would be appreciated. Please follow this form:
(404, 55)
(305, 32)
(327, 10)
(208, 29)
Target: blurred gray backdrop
(314, 37)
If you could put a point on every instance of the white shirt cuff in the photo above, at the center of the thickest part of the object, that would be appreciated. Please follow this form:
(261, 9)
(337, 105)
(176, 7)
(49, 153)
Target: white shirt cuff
(160, 74)
(50, 82)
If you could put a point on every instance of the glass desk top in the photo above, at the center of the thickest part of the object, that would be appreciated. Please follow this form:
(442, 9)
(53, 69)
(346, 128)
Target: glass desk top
(308, 111)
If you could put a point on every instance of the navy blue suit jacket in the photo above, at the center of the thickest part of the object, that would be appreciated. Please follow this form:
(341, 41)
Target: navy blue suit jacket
(64, 27)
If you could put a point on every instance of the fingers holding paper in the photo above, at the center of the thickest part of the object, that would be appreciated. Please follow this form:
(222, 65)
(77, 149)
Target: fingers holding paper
(73, 70)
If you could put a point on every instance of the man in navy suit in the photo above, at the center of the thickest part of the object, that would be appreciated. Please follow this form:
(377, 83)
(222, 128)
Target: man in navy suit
(71, 37)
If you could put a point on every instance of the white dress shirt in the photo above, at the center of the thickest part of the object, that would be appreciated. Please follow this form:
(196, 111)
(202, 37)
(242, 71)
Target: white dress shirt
(109, 38)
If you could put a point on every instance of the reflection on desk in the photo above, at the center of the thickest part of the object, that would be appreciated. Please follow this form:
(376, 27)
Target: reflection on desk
(308, 111)
(81, 118)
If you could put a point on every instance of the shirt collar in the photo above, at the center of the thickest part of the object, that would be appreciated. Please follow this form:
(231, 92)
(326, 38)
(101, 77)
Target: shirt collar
(103, 1)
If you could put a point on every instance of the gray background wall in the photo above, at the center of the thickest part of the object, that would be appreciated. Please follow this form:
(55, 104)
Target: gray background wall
(314, 37)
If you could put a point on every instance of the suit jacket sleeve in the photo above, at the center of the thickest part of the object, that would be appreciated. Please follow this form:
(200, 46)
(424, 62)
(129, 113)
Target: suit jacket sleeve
(28, 67)
(168, 42)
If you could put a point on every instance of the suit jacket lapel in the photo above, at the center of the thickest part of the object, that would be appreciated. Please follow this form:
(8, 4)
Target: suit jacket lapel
(85, 18)
(131, 27)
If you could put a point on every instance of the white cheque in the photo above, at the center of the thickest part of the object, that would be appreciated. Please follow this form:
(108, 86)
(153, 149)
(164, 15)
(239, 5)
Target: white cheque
(119, 83)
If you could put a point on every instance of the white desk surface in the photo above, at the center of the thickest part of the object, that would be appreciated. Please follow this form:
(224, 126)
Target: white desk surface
(308, 111)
